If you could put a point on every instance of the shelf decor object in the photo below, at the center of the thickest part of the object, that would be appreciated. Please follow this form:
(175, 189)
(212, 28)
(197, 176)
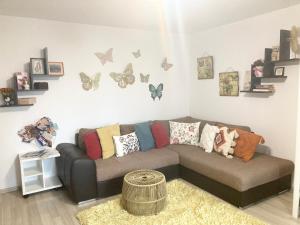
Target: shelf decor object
(284, 50)
(56, 68)
(34, 172)
(8, 97)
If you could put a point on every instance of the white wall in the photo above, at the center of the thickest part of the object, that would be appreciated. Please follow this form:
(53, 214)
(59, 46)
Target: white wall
(66, 102)
(237, 46)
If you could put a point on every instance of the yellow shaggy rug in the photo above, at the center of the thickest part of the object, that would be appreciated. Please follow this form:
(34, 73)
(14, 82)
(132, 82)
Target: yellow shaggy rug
(187, 205)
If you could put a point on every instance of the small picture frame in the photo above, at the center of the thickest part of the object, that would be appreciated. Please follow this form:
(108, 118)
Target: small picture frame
(37, 66)
(279, 71)
(22, 81)
(56, 68)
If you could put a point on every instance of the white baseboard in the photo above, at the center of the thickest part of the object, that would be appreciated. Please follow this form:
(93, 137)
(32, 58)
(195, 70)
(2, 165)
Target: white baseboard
(10, 189)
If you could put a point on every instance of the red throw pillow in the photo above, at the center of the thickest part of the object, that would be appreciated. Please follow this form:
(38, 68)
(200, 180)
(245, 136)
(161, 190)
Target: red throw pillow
(160, 135)
(92, 144)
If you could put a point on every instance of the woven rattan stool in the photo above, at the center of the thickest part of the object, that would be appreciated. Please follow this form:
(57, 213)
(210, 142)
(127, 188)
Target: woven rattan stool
(144, 192)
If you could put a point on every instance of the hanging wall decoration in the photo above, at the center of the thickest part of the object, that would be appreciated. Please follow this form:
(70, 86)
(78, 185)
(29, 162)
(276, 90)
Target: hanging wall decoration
(88, 83)
(165, 65)
(229, 83)
(156, 92)
(42, 132)
(294, 41)
(125, 78)
(205, 68)
(137, 54)
(105, 57)
(144, 78)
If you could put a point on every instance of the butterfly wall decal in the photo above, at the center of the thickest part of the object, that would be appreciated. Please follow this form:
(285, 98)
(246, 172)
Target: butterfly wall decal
(156, 92)
(125, 78)
(105, 57)
(165, 65)
(88, 83)
(144, 78)
(137, 54)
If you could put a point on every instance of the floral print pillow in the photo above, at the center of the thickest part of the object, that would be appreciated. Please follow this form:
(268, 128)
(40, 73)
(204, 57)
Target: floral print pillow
(184, 133)
(126, 144)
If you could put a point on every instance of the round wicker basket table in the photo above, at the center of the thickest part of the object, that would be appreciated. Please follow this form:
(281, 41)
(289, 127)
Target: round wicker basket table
(144, 192)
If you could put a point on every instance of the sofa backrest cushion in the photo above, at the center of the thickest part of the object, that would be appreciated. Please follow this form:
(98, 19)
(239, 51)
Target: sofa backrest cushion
(144, 134)
(232, 126)
(80, 138)
(126, 128)
(160, 134)
(92, 144)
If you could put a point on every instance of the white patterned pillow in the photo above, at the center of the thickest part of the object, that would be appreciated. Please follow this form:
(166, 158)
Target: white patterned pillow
(126, 144)
(184, 133)
(208, 137)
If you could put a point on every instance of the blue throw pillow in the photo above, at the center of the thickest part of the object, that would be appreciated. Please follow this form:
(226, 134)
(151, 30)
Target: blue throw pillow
(143, 133)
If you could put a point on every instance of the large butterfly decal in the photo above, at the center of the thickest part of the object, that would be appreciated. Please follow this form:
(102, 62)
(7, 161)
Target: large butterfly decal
(165, 65)
(156, 92)
(125, 78)
(105, 57)
(137, 54)
(144, 78)
(88, 83)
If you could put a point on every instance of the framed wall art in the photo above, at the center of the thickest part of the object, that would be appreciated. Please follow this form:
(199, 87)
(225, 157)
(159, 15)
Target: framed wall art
(229, 83)
(279, 71)
(37, 66)
(56, 68)
(205, 68)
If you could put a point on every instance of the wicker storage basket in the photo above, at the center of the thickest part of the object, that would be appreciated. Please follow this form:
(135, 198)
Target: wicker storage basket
(144, 192)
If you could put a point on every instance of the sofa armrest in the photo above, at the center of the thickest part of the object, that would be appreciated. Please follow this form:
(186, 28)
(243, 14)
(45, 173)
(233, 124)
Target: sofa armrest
(77, 172)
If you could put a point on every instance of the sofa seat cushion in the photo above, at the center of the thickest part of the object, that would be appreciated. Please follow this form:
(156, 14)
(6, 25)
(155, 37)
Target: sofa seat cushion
(234, 172)
(116, 167)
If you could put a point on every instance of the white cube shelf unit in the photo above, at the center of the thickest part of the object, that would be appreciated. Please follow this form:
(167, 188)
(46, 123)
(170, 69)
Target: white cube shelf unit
(34, 175)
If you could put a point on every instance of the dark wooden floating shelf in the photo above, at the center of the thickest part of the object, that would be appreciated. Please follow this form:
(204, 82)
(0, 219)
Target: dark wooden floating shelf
(273, 77)
(32, 90)
(287, 62)
(45, 75)
(7, 106)
(264, 92)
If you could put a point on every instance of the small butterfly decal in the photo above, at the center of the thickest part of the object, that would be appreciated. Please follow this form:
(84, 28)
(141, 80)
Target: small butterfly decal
(156, 92)
(105, 57)
(144, 78)
(88, 83)
(165, 65)
(137, 54)
(125, 78)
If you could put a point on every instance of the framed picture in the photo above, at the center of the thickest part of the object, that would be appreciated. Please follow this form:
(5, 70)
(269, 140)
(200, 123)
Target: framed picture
(279, 71)
(205, 68)
(22, 81)
(56, 68)
(8, 96)
(37, 66)
(229, 83)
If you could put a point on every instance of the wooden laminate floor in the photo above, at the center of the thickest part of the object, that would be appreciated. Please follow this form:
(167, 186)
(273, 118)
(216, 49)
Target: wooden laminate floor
(54, 208)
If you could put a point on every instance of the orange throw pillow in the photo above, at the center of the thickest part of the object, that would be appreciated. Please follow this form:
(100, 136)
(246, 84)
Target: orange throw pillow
(246, 144)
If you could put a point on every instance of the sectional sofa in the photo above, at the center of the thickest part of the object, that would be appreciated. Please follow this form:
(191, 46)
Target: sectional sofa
(237, 182)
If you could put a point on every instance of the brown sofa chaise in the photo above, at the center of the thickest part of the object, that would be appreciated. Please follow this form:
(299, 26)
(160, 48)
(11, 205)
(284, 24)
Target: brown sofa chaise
(240, 183)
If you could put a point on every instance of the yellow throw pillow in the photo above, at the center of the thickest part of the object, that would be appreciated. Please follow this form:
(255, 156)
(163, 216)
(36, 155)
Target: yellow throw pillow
(106, 139)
